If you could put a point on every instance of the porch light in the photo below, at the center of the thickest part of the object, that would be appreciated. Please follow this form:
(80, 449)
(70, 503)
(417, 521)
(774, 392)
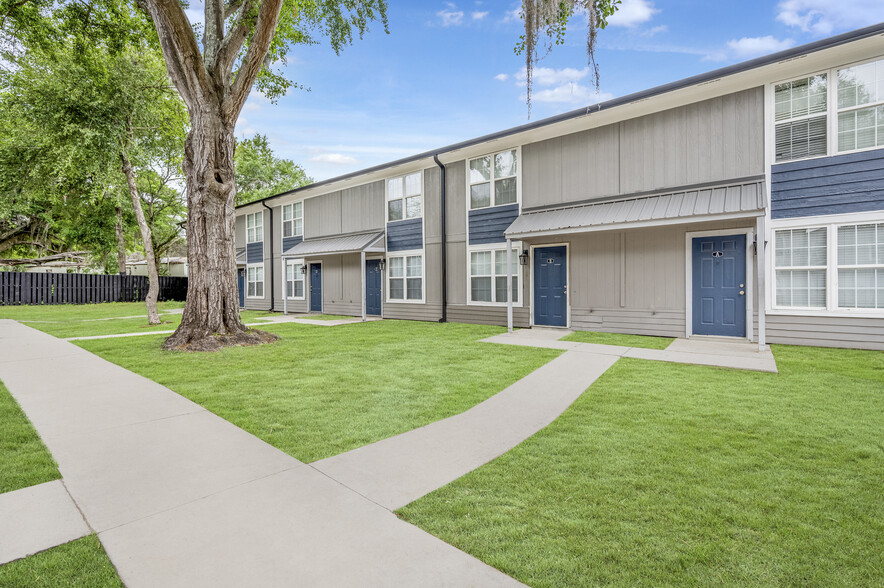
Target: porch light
(304, 268)
(382, 264)
(523, 258)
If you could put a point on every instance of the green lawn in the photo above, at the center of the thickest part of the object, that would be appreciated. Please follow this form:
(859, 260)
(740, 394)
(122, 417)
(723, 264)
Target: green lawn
(618, 339)
(81, 563)
(24, 460)
(69, 312)
(666, 474)
(320, 391)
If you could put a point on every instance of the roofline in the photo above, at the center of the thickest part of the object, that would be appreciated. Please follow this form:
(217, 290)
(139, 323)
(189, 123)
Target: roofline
(729, 70)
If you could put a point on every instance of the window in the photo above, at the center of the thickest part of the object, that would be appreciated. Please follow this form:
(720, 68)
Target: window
(294, 279)
(293, 220)
(488, 276)
(255, 227)
(800, 118)
(497, 173)
(255, 281)
(801, 267)
(405, 278)
(404, 197)
(861, 106)
(861, 266)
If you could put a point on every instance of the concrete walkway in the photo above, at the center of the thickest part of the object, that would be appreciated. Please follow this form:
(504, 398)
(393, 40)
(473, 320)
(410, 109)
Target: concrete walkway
(181, 497)
(710, 351)
(401, 469)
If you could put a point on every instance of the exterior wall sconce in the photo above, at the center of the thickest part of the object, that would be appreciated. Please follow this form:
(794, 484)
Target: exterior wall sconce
(382, 264)
(304, 268)
(523, 258)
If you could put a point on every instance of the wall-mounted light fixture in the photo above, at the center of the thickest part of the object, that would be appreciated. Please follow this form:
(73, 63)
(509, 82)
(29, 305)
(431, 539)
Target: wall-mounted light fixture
(304, 268)
(382, 264)
(523, 258)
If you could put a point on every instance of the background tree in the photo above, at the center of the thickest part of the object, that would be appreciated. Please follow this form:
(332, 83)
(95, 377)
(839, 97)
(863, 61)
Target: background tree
(546, 22)
(259, 173)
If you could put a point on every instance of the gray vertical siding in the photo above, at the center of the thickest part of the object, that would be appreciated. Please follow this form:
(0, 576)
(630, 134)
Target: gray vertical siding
(853, 182)
(405, 235)
(322, 216)
(488, 224)
(709, 141)
(363, 208)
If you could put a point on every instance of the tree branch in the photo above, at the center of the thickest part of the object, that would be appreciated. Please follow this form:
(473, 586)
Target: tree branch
(231, 8)
(233, 41)
(214, 32)
(265, 29)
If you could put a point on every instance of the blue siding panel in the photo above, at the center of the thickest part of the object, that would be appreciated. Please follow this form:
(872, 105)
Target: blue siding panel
(488, 224)
(255, 252)
(853, 182)
(405, 235)
(289, 242)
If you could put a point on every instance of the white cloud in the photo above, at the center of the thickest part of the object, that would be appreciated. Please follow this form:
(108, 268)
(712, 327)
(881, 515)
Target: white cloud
(570, 93)
(824, 17)
(334, 158)
(654, 30)
(450, 17)
(478, 15)
(633, 12)
(513, 15)
(502, 77)
(547, 76)
(754, 46)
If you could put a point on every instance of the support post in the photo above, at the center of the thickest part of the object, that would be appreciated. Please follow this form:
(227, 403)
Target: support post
(760, 262)
(362, 273)
(285, 286)
(509, 286)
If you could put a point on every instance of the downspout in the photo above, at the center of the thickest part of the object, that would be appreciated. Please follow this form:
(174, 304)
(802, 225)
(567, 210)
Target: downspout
(271, 255)
(444, 318)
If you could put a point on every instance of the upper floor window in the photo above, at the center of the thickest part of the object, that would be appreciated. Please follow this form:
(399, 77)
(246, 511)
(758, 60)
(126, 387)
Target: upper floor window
(293, 220)
(404, 197)
(494, 179)
(255, 227)
(800, 118)
(861, 106)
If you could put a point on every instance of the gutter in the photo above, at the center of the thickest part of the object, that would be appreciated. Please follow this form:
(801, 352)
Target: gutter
(271, 255)
(444, 246)
(714, 75)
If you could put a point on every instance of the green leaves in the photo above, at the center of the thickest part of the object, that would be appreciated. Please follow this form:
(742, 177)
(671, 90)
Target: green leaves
(259, 173)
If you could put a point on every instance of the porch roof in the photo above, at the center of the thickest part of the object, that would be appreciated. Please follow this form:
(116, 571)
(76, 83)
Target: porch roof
(240, 256)
(368, 242)
(686, 206)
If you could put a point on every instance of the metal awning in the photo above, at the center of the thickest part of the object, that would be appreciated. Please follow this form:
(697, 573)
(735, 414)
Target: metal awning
(698, 205)
(368, 242)
(240, 256)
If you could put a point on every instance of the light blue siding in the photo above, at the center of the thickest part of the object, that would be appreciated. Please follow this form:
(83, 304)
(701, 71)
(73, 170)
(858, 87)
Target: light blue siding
(405, 235)
(255, 252)
(488, 224)
(853, 182)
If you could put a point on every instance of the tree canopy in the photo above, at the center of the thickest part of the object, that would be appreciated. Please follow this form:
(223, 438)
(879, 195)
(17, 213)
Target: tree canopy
(259, 173)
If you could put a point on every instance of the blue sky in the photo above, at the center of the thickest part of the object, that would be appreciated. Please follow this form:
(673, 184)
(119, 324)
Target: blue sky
(447, 71)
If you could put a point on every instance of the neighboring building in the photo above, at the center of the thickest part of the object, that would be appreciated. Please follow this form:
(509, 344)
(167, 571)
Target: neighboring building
(168, 266)
(746, 202)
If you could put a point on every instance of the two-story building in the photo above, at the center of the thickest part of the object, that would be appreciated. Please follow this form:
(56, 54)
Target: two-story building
(747, 202)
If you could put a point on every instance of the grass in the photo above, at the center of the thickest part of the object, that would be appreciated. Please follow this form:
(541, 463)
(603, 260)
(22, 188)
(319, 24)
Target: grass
(665, 474)
(24, 460)
(321, 391)
(69, 312)
(618, 339)
(81, 563)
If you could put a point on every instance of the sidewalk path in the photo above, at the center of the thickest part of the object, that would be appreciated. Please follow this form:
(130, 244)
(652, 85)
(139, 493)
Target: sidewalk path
(181, 497)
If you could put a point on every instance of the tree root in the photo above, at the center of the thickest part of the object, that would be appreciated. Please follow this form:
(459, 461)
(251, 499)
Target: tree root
(214, 342)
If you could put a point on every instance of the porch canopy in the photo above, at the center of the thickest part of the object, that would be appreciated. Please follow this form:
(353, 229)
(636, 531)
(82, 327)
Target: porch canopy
(361, 243)
(689, 206)
(240, 256)
(737, 200)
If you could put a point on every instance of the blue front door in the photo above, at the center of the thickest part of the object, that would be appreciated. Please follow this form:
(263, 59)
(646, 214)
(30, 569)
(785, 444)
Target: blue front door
(241, 284)
(719, 284)
(550, 286)
(373, 287)
(315, 287)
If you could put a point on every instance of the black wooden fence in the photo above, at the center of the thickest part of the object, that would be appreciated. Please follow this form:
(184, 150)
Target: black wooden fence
(26, 288)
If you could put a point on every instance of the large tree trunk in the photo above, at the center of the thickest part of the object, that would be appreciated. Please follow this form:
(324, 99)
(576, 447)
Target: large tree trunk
(211, 315)
(153, 290)
(121, 243)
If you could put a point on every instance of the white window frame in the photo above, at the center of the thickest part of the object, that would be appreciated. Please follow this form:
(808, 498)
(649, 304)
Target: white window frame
(824, 268)
(249, 281)
(295, 263)
(404, 255)
(838, 111)
(857, 266)
(518, 176)
(519, 274)
(252, 232)
(826, 114)
(832, 112)
(404, 198)
(291, 221)
(831, 222)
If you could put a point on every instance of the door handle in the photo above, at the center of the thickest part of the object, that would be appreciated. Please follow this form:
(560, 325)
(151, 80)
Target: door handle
(742, 292)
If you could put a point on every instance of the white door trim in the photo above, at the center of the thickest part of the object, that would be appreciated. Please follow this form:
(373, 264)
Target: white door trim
(567, 247)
